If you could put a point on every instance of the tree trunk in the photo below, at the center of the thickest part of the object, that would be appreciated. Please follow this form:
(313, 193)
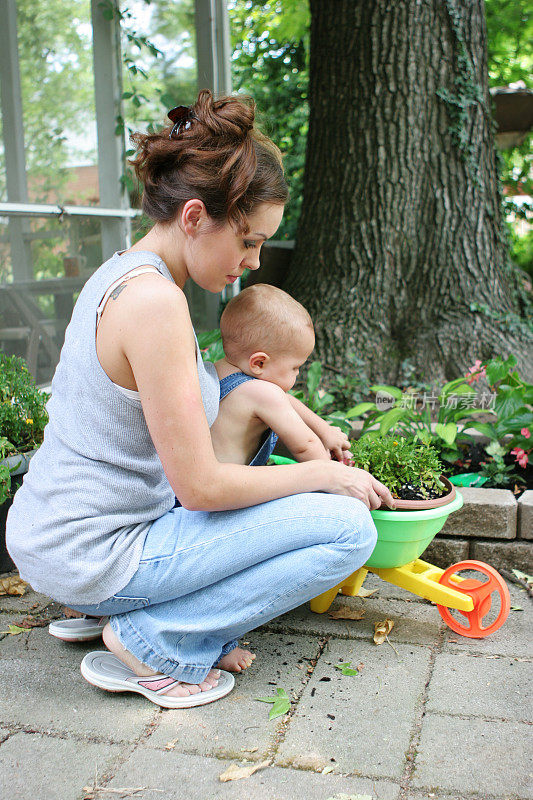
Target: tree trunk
(401, 229)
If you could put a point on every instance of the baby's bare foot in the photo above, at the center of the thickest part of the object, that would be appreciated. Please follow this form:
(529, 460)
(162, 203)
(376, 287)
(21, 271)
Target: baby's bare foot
(179, 689)
(236, 660)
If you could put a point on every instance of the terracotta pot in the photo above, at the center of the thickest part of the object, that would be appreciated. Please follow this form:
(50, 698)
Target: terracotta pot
(418, 505)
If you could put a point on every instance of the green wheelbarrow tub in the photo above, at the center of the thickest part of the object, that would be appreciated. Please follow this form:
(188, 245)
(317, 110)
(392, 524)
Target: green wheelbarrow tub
(404, 535)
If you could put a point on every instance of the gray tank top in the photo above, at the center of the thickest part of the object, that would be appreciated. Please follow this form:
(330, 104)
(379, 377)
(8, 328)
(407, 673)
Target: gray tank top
(77, 525)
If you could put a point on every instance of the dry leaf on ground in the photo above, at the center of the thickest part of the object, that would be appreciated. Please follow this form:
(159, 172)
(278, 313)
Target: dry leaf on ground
(172, 744)
(235, 773)
(366, 592)
(345, 612)
(34, 622)
(382, 630)
(13, 585)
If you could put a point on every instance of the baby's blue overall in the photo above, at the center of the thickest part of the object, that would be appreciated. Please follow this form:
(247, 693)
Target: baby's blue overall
(207, 578)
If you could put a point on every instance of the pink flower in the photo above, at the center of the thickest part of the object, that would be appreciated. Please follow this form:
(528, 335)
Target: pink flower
(526, 433)
(475, 373)
(521, 456)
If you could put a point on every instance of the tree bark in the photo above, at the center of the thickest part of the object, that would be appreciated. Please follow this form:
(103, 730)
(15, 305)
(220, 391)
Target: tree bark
(401, 228)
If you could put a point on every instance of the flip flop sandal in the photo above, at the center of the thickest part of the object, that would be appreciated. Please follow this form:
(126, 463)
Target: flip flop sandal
(106, 671)
(80, 629)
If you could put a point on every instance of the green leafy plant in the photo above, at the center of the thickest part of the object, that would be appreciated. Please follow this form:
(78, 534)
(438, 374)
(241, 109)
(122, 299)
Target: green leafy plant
(351, 386)
(496, 470)
(404, 417)
(401, 464)
(512, 405)
(280, 703)
(510, 432)
(318, 400)
(22, 415)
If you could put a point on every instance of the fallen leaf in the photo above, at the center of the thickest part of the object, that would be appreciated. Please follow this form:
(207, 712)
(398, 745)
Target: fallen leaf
(34, 622)
(345, 669)
(366, 592)
(345, 612)
(522, 576)
(172, 744)
(382, 630)
(236, 773)
(14, 630)
(13, 585)
(280, 704)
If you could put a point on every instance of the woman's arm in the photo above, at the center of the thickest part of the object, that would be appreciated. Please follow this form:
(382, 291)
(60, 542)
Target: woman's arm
(153, 332)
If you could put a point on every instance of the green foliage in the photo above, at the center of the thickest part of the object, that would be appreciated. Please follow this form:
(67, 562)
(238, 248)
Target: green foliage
(397, 461)
(270, 62)
(496, 470)
(350, 387)
(510, 32)
(22, 406)
(22, 415)
(405, 417)
(513, 405)
(313, 397)
(210, 344)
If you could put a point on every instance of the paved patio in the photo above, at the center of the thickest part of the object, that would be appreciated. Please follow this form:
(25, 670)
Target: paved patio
(430, 715)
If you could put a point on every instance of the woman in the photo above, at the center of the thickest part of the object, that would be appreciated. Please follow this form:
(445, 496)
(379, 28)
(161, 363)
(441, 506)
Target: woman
(94, 525)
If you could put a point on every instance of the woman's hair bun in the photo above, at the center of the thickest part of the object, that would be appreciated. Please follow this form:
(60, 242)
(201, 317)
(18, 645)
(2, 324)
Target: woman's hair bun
(217, 156)
(227, 117)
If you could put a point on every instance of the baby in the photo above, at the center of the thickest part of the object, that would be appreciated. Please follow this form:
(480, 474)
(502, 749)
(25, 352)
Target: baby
(267, 336)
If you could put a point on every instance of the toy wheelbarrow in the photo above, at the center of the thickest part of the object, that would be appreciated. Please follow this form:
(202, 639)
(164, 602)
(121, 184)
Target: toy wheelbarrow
(402, 538)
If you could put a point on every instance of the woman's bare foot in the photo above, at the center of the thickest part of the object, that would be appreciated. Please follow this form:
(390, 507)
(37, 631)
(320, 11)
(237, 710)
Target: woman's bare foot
(180, 689)
(236, 660)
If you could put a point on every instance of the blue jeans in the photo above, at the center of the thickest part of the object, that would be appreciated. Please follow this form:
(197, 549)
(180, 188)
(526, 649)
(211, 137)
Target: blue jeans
(207, 578)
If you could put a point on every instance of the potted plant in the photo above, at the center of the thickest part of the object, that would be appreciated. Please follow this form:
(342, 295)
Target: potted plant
(22, 420)
(424, 497)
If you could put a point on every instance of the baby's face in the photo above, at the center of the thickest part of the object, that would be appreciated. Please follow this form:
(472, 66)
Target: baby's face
(283, 369)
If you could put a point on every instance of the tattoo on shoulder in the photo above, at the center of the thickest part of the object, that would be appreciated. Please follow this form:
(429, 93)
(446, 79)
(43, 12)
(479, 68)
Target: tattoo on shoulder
(115, 293)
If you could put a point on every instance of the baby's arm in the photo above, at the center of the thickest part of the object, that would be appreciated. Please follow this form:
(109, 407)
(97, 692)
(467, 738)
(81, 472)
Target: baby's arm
(273, 407)
(333, 439)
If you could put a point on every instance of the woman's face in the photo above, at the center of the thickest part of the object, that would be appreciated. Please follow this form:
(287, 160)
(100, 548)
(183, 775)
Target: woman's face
(218, 255)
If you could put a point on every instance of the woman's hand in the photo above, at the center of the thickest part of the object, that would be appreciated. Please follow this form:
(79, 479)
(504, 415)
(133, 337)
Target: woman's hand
(355, 482)
(336, 442)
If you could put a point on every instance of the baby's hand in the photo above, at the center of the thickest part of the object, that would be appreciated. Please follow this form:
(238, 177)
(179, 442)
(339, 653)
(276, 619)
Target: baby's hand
(336, 442)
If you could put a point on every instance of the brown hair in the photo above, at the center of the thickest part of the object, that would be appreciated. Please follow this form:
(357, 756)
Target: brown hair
(220, 158)
(262, 317)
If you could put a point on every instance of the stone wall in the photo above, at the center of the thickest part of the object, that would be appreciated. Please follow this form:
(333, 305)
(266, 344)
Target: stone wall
(492, 526)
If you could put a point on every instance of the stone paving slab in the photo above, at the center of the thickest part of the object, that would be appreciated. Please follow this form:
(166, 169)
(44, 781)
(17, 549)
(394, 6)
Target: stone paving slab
(188, 777)
(427, 795)
(481, 686)
(473, 755)
(42, 688)
(512, 639)
(414, 622)
(373, 711)
(49, 768)
(245, 720)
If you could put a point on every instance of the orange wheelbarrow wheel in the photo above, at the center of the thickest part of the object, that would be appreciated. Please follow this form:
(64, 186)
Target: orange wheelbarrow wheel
(481, 593)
